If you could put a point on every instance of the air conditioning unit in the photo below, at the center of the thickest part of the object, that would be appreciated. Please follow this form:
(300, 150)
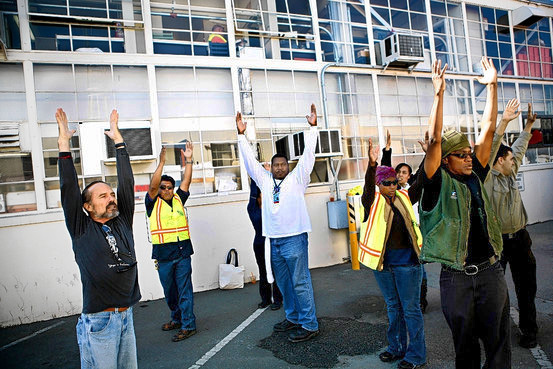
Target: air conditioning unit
(402, 50)
(329, 144)
(96, 147)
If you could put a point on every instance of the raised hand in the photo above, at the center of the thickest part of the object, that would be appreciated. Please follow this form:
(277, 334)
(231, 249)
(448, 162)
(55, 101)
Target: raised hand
(424, 144)
(267, 166)
(438, 76)
(388, 140)
(373, 152)
(312, 117)
(489, 75)
(162, 155)
(189, 150)
(113, 132)
(65, 133)
(511, 111)
(240, 125)
(531, 117)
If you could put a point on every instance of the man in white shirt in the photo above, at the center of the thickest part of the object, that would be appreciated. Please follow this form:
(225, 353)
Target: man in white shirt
(286, 223)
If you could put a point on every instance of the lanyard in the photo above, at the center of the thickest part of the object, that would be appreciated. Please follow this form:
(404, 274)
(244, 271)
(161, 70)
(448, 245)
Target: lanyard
(276, 191)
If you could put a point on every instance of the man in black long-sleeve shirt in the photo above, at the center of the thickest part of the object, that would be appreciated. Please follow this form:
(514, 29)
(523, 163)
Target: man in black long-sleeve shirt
(104, 251)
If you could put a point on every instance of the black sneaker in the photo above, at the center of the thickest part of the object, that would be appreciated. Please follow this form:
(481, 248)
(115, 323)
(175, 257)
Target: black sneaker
(276, 305)
(527, 341)
(302, 334)
(263, 304)
(407, 365)
(388, 357)
(284, 326)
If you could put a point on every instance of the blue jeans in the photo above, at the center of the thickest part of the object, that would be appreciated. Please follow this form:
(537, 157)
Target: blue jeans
(401, 286)
(176, 279)
(289, 261)
(106, 340)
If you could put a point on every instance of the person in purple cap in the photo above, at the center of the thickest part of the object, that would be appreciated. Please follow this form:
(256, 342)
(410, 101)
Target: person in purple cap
(390, 243)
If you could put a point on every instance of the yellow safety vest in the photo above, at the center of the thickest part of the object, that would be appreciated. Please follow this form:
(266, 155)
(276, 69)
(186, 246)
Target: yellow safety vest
(168, 224)
(213, 35)
(373, 231)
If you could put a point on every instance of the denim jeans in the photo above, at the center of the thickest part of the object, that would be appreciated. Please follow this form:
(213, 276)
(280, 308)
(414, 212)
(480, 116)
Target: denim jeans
(289, 261)
(176, 279)
(401, 286)
(477, 306)
(106, 340)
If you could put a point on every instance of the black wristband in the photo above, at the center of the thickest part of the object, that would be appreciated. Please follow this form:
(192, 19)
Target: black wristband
(120, 144)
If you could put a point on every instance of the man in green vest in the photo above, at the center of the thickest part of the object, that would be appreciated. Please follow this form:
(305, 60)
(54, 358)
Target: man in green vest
(171, 246)
(461, 231)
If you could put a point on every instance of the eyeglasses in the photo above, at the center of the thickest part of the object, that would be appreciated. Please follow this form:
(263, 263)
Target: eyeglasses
(122, 266)
(462, 155)
(166, 187)
(389, 183)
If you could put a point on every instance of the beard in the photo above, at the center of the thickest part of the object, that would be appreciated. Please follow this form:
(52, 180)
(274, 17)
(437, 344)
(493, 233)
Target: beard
(108, 214)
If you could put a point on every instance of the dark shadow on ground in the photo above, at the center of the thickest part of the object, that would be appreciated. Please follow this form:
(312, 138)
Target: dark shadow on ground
(338, 337)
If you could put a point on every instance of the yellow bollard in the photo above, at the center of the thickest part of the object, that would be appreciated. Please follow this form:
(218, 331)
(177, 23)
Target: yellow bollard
(353, 238)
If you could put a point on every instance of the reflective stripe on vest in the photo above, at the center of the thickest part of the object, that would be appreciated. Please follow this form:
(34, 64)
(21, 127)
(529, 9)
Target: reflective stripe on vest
(212, 38)
(168, 224)
(373, 231)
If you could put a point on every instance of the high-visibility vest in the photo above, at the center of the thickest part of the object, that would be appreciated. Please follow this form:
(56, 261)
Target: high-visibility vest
(217, 38)
(373, 231)
(168, 224)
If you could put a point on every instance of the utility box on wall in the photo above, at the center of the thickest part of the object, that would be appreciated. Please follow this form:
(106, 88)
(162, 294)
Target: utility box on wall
(337, 214)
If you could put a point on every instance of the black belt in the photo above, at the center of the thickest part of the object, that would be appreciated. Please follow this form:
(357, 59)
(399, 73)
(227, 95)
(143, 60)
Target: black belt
(510, 236)
(474, 269)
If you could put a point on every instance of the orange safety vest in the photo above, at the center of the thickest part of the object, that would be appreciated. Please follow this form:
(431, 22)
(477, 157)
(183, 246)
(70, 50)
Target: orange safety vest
(373, 231)
(168, 224)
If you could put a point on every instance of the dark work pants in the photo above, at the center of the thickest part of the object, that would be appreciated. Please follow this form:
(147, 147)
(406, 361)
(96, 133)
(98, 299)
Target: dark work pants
(517, 252)
(476, 307)
(264, 286)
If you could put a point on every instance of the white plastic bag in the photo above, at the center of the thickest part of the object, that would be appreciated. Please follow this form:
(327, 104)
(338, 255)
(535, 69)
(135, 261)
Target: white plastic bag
(231, 276)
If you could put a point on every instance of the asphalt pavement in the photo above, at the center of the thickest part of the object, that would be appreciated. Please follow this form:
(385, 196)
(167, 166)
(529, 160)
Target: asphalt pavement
(233, 333)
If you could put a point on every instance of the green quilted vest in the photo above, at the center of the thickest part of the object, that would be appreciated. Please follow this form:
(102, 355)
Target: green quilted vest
(445, 228)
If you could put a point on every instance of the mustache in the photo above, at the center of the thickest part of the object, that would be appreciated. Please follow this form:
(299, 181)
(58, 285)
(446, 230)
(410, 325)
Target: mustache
(111, 203)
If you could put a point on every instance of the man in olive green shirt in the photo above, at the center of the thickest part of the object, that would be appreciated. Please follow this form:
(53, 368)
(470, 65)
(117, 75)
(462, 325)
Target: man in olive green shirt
(502, 186)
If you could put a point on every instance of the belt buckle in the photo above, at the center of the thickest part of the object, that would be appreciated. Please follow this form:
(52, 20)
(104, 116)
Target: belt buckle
(467, 272)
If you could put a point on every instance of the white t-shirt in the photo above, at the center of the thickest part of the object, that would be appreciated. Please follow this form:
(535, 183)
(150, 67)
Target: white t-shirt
(289, 216)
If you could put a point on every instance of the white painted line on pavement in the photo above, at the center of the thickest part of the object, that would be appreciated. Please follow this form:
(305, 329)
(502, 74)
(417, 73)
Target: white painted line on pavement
(30, 336)
(208, 355)
(539, 355)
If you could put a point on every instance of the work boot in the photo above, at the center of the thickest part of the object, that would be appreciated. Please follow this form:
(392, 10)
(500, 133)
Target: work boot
(424, 290)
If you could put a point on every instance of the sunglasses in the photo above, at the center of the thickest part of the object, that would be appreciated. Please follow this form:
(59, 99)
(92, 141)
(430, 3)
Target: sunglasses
(389, 183)
(112, 242)
(166, 187)
(462, 155)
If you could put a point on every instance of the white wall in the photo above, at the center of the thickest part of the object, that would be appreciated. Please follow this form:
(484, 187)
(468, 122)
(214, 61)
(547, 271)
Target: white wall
(40, 280)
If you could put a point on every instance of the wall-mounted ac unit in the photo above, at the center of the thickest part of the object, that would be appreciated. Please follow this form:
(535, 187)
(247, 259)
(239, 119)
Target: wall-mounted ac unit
(402, 50)
(97, 147)
(329, 143)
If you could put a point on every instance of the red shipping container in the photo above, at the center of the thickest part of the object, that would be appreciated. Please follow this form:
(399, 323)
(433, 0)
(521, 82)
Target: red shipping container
(522, 67)
(533, 53)
(535, 70)
(546, 54)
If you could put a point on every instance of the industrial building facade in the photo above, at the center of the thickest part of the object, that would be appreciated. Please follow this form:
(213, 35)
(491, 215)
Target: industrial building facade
(173, 75)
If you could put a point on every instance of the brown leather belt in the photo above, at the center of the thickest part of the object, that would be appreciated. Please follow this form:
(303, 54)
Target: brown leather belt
(117, 310)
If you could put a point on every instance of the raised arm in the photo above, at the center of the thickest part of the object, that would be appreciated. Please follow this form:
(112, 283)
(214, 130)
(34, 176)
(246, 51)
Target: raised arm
(307, 161)
(435, 121)
(153, 190)
(186, 157)
(521, 143)
(125, 178)
(367, 197)
(510, 113)
(387, 151)
(483, 145)
(253, 167)
(70, 192)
